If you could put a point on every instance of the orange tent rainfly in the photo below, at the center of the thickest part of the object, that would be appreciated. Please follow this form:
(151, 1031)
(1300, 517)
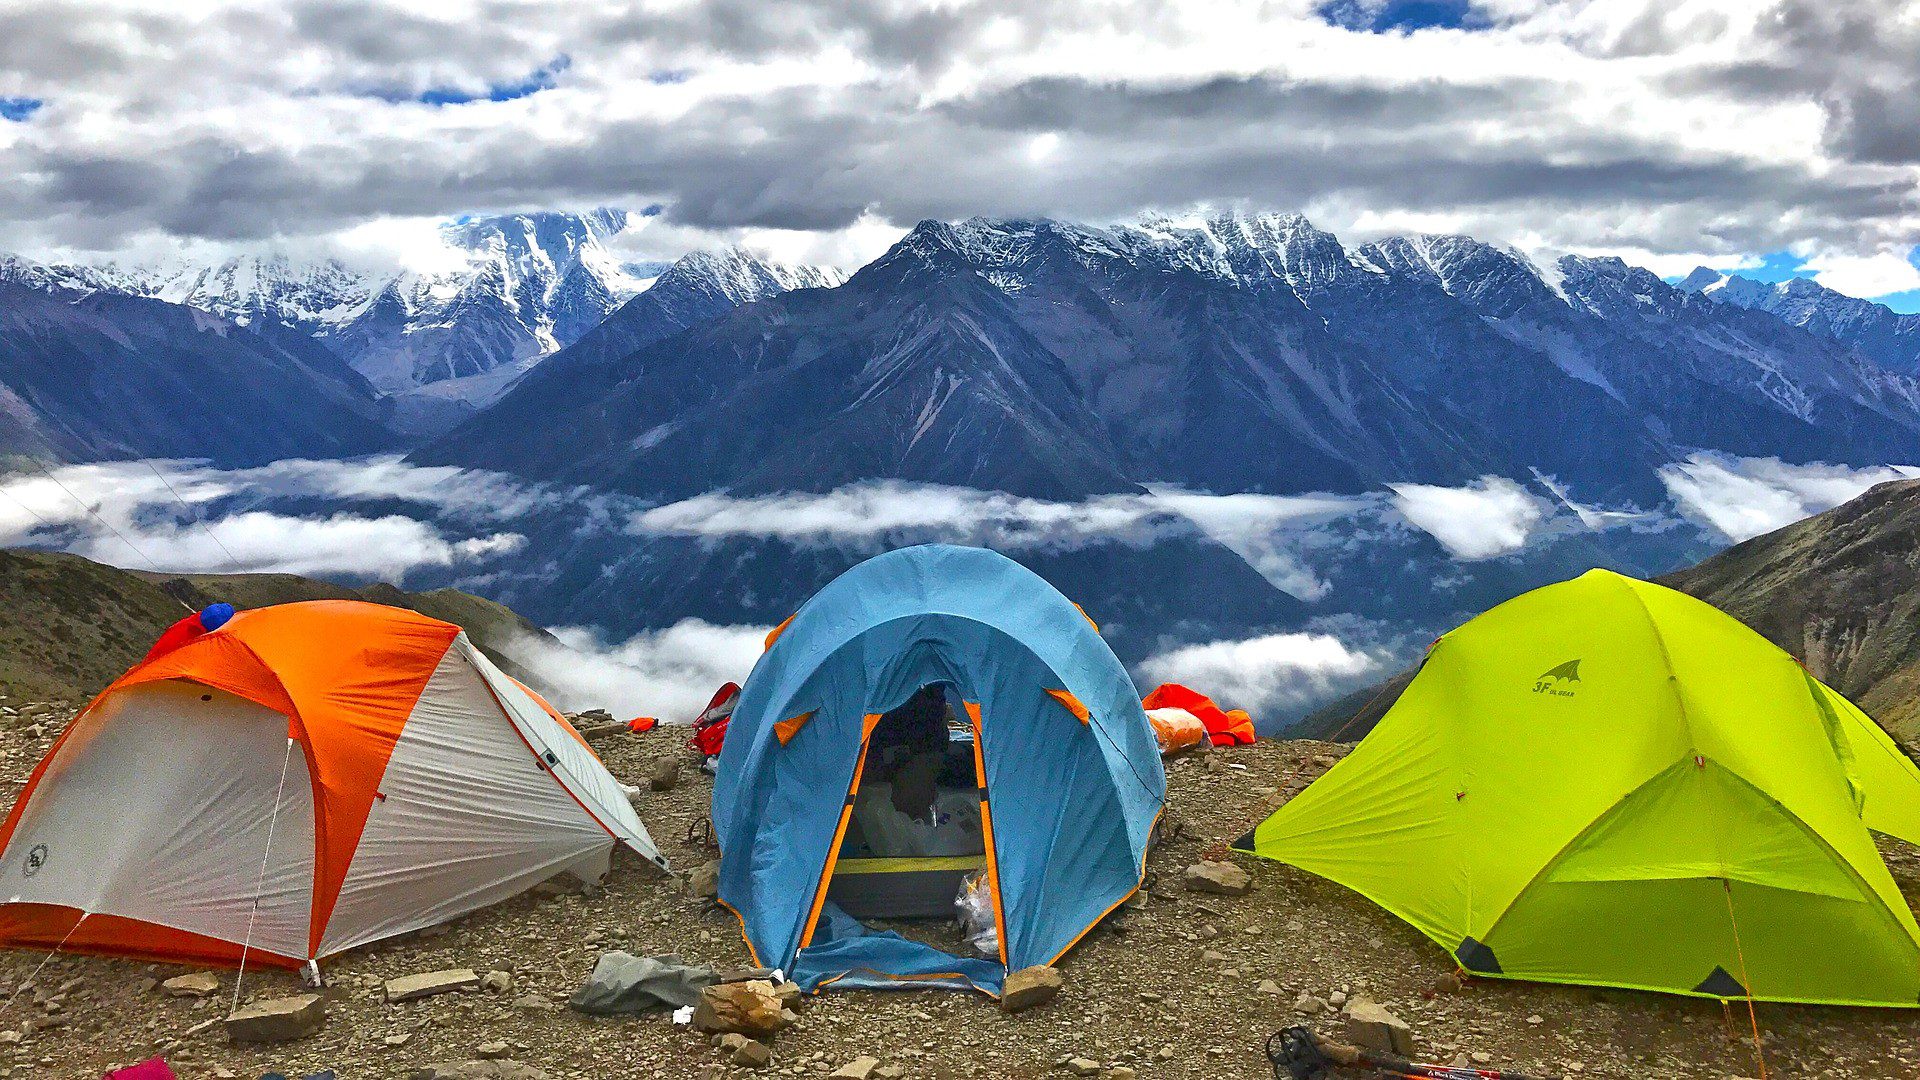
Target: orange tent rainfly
(1224, 727)
(301, 780)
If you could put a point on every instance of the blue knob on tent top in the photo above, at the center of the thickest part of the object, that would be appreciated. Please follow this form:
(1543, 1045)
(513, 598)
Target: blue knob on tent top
(215, 616)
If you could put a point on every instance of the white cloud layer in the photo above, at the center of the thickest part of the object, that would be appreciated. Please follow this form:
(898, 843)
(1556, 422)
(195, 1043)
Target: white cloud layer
(1742, 498)
(186, 517)
(669, 674)
(1493, 516)
(1713, 129)
(1269, 674)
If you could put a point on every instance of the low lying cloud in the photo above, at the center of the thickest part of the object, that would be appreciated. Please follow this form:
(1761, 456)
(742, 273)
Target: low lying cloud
(1267, 530)
(185, 516)
(1490, 517)
(1269, 674)
(1742, 498)
(669, 674)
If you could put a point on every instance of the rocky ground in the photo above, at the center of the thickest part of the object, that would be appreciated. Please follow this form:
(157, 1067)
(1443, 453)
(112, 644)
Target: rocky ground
(1181, 984)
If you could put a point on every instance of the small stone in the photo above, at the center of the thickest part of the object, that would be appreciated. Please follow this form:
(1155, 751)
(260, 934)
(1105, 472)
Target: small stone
(704, 881)
(859, 1068)
(1268, 986)
(1337, 998)
(751, 1054)
(497, 982)
(534, 1003)
(278, 1020)
(1536, 1019)
(1120, 1072)
(663, 773)
(400, 1038)
(1080, 1066)
(1372, 1027)
(1222, 878)
(429, 983)
(1029, 987)
(1308, 1005)
(197, 985)
(489, 1051)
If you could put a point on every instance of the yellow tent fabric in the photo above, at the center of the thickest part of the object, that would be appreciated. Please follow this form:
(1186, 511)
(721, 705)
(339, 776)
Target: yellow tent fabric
(1611, 783)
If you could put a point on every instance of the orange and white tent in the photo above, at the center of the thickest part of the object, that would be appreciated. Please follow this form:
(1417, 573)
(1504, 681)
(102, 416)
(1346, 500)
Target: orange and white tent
(305, 779)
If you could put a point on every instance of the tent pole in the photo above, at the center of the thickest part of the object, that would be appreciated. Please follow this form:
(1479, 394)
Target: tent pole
(260, 881)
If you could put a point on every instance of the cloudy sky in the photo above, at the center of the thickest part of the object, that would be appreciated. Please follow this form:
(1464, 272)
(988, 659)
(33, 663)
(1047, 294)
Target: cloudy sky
(1781, 136)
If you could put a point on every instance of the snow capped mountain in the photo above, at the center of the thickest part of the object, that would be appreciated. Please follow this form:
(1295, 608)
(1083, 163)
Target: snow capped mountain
(1879, 333)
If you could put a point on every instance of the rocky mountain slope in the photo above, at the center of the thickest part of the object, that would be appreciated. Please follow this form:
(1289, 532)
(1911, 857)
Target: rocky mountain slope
(69, 626)
(1840, 591)
(89, 376)
(1876, 331)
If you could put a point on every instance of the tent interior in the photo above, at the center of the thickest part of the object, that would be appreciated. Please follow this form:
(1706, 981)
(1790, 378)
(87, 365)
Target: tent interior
(915, 833)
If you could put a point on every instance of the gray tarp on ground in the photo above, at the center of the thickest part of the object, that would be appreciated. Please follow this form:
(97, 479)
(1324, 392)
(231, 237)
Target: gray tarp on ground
(622, 984)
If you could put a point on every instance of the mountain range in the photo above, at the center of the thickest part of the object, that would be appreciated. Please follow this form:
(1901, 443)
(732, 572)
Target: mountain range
(1229, 354)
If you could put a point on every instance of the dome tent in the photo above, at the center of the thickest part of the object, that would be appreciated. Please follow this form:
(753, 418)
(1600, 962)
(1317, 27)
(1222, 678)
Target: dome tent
(1608, 782)
(1068, 774)
(304, 779)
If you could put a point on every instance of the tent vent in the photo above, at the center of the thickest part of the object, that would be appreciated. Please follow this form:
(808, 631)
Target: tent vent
(1477, 957)
(1721, 985)
(1245, 843)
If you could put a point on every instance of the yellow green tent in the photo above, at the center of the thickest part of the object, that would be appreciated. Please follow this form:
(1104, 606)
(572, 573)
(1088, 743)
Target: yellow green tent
(1611, 783)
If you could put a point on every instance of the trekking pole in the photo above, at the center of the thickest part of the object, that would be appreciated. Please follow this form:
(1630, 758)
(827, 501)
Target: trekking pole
(1303, 1055)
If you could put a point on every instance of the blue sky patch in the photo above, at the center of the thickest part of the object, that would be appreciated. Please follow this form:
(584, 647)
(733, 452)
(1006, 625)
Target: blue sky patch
(1778, 266)
(1401, 16)
(543, 78)
(17, 109)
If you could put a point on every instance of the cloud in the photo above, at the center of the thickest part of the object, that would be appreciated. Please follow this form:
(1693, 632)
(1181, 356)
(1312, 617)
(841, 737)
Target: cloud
(1716, 129)
(183, 516)
(669, 673)
(1272, 532)
(1742, 498)
(1268, 674)
(1491, 517)
(1878, 274)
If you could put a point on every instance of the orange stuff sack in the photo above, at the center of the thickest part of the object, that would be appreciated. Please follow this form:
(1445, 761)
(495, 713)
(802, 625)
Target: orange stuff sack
(1223, 728)
(1176, 729)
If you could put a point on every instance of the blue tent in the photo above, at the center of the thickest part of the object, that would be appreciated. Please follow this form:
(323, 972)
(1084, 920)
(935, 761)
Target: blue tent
(1072, 779)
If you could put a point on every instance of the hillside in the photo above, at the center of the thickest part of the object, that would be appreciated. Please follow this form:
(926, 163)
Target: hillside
(1841, 591)
(69, 626)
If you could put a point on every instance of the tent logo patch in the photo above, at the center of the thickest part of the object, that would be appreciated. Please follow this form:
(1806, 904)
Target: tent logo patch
(1561, 681)
(36, 859)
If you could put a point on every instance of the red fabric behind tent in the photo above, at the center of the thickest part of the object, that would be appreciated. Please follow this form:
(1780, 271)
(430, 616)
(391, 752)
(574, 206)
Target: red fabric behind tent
(1224, 728)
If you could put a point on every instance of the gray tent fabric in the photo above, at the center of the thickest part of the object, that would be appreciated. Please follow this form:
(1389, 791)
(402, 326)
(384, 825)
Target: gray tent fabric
(623, 984)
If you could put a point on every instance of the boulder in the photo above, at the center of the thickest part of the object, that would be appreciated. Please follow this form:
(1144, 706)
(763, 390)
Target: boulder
(429, 983)
(750, 1008)
(860, 1068)
(1371, 1027)
(197, 985)
(1029, 987)
(1222, 878)
(278, 1020)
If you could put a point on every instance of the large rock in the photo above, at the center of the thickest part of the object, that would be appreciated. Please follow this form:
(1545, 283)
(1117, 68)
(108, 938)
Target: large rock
(1029, 987)
(1223, 878)
(197, 985)
(429, 983)
(278, 1020)
(860, 1068)
(751, 1008)
(1371, 1027)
